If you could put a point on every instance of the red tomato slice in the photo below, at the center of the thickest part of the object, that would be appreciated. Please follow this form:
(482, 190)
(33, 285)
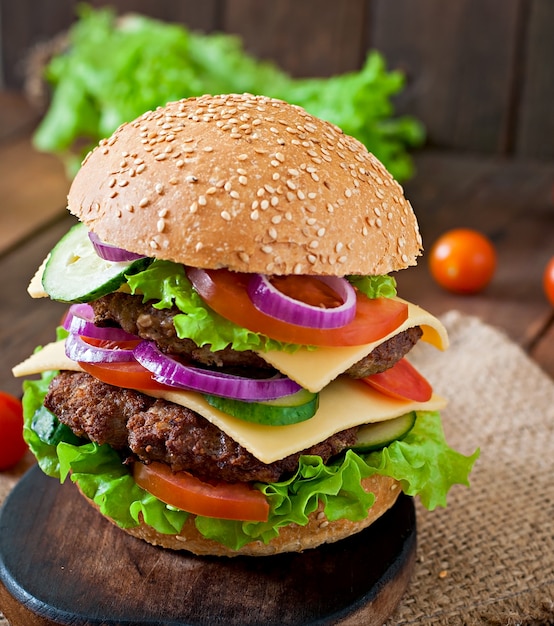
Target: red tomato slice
(226, 293)
(236, 501)
(401, 381)
(129, 374)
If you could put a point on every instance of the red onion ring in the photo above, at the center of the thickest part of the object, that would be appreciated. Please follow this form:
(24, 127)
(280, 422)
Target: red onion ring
(79, 321)
(79, 350)
(269, 300)
(108, 252)
(168, 371)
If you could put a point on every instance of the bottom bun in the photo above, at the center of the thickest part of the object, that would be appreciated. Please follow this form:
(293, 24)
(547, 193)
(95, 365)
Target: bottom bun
(291, 538)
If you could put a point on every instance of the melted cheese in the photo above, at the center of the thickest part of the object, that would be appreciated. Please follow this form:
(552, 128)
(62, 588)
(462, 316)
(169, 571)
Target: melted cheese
(314, 369)
(342, 404)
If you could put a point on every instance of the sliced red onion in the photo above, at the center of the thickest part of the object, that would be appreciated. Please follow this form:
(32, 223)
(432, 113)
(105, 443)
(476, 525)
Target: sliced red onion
(108, 252)
(269, 300)
(168, 371)
(79, 350)
(80, 321)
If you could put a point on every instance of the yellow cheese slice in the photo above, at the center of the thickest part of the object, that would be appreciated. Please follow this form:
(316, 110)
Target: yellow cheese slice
(314, 369)
(342, 404)
(35, 288)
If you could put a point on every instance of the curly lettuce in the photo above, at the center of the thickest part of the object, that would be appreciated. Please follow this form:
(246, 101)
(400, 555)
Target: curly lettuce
(422, 462)
(113, 69)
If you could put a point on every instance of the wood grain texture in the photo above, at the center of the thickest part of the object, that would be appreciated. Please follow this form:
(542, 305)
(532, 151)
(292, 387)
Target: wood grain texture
(458, 58)
(535, 124)
(308, 38)
(53, 573)
(511, 201)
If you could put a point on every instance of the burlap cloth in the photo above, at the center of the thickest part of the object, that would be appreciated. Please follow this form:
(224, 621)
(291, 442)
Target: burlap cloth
(488, 558)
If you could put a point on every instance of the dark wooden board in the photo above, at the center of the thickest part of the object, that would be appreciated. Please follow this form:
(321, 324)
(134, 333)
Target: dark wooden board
(62, 563)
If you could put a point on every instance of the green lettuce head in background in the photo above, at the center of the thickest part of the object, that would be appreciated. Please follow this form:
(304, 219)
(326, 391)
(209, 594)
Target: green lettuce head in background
(113, 70)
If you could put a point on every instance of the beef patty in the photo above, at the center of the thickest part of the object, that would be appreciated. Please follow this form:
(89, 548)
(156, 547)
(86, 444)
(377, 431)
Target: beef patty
(156, 430)
(142, 319)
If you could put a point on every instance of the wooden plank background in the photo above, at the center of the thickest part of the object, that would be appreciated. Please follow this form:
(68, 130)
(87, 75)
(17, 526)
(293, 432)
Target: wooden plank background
(480, 73)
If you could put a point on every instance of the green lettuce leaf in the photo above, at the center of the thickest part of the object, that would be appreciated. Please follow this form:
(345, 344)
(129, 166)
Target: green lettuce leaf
(422, 462)
(166, 284)
(113, 70)
(375, 286)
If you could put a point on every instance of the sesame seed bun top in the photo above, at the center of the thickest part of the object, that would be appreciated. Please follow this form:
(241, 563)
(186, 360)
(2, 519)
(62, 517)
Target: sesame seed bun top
(249, 183)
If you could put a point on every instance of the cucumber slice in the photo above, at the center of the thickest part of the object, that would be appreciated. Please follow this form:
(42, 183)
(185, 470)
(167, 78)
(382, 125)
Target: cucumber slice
(284, 411)
(75, 273)
(378, 435)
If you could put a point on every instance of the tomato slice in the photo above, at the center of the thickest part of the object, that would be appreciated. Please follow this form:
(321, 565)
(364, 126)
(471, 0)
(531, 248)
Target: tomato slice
(129, 375)
(401, 381)
(226, 293)
(235, 501)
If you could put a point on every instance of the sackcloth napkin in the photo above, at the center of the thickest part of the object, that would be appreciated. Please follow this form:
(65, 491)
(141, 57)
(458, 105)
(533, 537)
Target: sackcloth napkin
(488, 557)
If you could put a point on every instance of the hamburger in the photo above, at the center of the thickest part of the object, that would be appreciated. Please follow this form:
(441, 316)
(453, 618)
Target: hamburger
(231, 375)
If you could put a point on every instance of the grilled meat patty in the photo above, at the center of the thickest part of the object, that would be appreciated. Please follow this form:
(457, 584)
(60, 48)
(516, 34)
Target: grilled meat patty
(156, 430)
(142, 319)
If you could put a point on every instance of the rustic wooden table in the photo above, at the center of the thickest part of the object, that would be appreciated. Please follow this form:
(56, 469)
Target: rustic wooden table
(511, 201)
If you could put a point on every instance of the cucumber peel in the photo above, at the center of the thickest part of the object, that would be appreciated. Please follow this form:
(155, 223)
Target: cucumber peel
(75, 273)
(379, 434)
(297, 407)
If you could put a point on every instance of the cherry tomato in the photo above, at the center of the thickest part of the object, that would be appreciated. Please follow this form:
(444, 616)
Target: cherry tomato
(462, 261)
(548, 281)
(226, 293)
(238, 501)
(401, 381)
(12, 445)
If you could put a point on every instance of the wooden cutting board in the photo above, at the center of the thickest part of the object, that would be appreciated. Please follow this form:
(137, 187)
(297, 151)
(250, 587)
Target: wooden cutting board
(62, 563)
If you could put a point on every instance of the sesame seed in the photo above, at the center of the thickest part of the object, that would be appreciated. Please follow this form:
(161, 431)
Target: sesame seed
(244, 257)
(264, 205)
(243, 180)
(276, 219)
(112, 183)
(193, 207)
(234, 194)
(199, 246)
(144, 202)
(226, 215)
(254, 215)
(272, 233)
(113, 194)
(348, 193)
(267, 249)
(202, 200)
(297, 269)
(141, 168)
(123, 183)
(159, 189)
(160, 226)
(191, 179)
(161, 157)
(211, 190)
(312, 258)
(173, 181)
